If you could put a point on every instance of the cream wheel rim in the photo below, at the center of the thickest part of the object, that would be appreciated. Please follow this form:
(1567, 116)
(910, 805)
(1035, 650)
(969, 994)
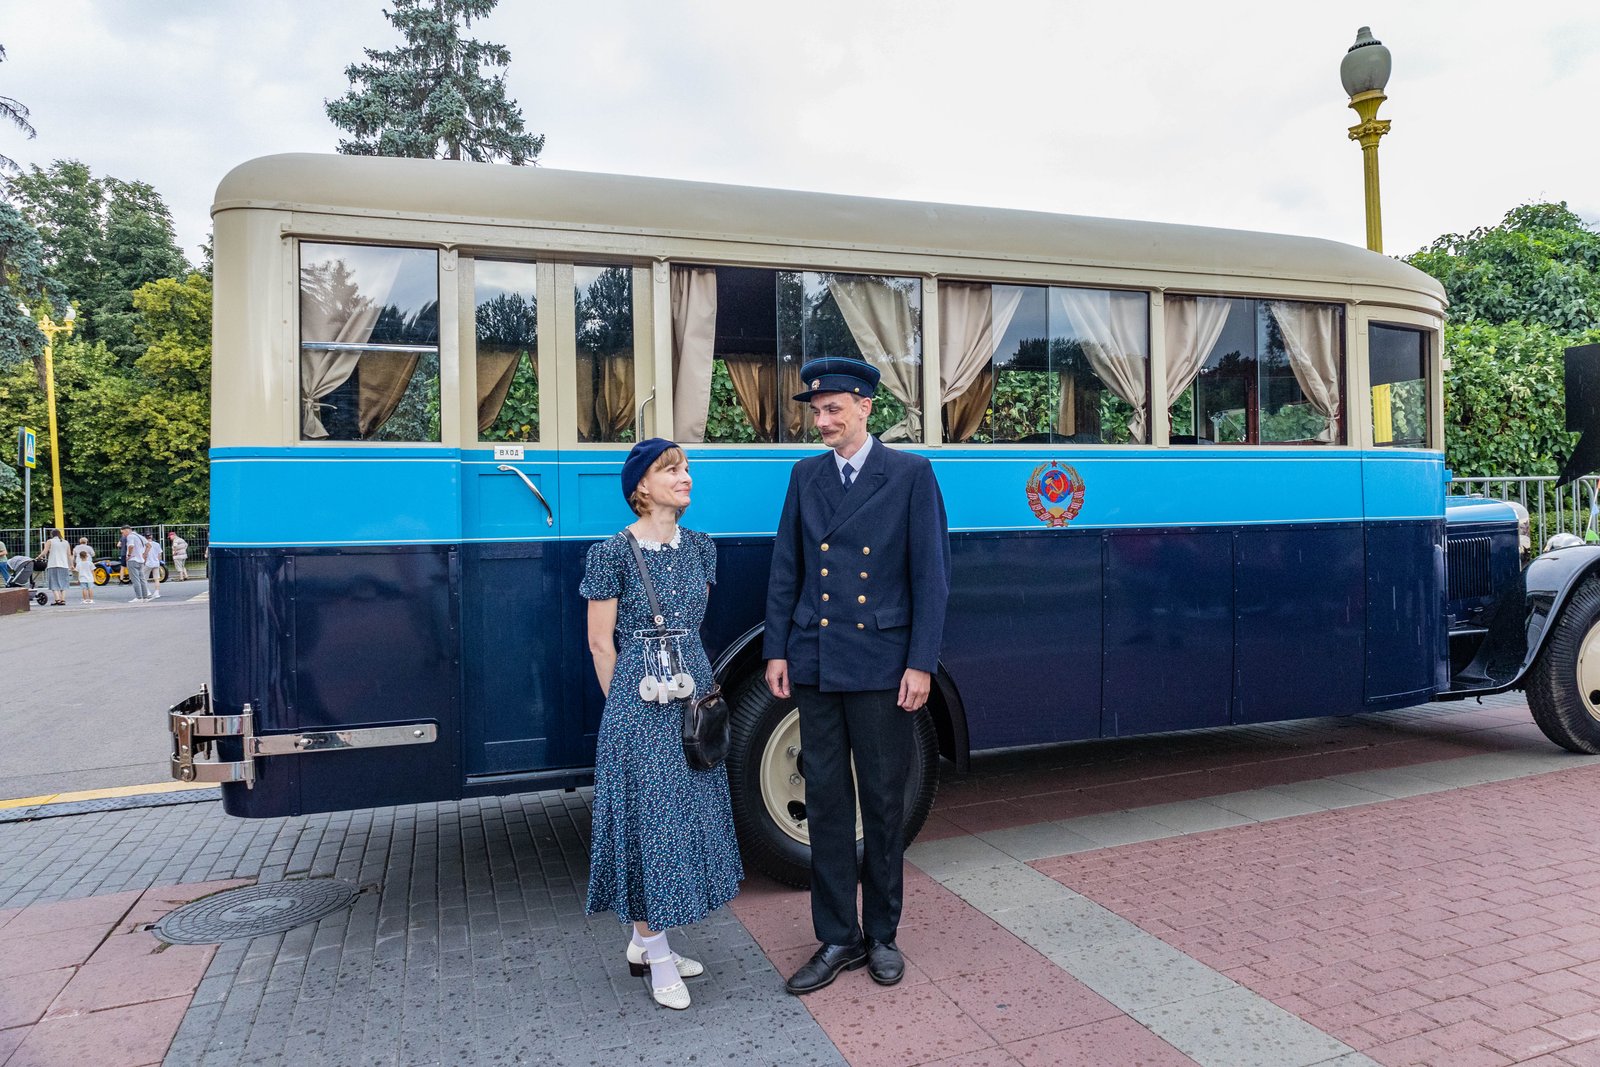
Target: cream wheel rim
(783, 786)
(1589, 671)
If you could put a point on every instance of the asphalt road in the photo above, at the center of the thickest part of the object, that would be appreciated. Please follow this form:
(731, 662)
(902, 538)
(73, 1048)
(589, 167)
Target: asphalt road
(84, 689)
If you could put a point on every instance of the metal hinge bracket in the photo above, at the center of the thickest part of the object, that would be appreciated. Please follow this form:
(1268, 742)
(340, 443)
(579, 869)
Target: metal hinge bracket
(195, 729)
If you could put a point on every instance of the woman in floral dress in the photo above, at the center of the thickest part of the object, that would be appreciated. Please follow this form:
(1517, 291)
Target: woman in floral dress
(663, 852)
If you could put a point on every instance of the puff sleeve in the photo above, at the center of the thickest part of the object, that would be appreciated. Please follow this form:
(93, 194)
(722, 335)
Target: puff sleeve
(602, 572)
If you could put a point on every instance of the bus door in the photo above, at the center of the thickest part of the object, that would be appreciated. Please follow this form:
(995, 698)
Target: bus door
(512, 585)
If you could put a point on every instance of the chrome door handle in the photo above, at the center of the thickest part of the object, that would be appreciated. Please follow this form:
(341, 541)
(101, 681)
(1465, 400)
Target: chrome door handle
(549, 515)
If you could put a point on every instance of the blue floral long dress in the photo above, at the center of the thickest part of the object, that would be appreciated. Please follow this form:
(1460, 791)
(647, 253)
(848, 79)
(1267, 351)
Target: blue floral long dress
(662, 849)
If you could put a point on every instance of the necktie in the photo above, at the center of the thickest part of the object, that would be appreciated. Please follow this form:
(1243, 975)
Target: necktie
(849, 474)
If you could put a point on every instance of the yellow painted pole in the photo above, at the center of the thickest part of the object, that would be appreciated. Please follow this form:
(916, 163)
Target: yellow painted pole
(50, 328)
(1368, 132)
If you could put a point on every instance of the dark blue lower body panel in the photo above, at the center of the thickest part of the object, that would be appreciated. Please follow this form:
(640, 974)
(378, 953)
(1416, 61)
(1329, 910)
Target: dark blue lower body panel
(1052, 636)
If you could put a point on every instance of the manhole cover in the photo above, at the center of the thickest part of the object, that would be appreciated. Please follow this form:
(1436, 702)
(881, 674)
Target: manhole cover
(254, 910)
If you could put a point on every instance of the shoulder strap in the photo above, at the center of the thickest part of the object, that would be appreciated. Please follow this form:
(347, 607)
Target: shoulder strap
(644, 576)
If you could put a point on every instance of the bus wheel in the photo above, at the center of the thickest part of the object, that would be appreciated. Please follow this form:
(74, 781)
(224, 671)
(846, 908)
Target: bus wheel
(1564, 685)
(766, 779)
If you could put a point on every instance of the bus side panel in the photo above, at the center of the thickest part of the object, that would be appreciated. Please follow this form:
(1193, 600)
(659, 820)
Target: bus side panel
(512, 679)
(1168, 630)
(252, 658)
(1406, 639)
(1022, 635)
(739, 599)
(1300, 622)
(375, 642)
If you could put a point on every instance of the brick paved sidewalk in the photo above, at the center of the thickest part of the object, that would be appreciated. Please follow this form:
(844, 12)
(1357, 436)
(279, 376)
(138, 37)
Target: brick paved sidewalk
(467, 943)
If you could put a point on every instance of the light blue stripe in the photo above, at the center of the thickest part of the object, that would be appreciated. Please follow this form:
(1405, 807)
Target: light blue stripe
(408, 495)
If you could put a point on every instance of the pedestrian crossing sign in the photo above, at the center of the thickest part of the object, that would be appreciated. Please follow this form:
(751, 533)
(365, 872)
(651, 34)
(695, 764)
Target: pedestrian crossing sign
(27, 447)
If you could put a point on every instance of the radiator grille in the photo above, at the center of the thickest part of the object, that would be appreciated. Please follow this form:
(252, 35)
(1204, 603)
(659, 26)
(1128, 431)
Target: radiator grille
(1468, 568)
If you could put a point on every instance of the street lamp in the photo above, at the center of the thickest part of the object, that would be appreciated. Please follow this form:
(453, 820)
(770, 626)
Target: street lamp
(1365, 71)
(49, 327)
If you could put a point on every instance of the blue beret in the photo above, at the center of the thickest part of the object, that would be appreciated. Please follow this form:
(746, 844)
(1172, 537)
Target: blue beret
(637, 465)
(838, 374)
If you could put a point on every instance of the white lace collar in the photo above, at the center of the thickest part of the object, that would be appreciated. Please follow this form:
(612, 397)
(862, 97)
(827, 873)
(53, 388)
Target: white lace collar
(657, 546)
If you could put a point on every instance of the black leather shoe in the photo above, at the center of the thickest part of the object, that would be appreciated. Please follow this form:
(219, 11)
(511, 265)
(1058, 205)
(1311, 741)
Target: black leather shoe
(884, 962)
(824, 966)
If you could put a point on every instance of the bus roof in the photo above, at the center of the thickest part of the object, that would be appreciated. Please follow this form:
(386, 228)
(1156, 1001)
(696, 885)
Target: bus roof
(488, 193)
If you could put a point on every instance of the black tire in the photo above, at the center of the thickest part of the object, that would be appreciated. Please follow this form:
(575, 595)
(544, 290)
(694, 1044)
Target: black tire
(1561, 707)
(774, 842)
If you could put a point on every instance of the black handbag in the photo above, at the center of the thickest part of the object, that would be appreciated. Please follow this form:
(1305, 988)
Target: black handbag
(706, 731)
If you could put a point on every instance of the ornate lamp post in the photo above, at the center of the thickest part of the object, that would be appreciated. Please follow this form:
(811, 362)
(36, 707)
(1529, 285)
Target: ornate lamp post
(1365, 71)
(49, 327)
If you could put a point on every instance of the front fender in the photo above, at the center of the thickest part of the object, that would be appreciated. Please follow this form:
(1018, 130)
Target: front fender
(1521, 624)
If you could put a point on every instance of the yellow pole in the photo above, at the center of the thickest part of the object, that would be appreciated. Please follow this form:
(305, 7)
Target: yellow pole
(1368, 132)
(50, 328)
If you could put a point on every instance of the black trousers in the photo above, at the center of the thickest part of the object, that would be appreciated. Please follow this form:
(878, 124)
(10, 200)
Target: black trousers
(873, 729)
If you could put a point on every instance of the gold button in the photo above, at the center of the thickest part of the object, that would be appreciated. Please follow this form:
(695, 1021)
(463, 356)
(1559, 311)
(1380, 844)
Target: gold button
(824, 546)
(865, 551)
(861, 626)
(824, 596)
(861, 600)
(824, 572)
(824, 622)
(863, 574)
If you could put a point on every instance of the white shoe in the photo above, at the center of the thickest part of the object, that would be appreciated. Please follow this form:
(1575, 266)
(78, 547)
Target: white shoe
(155, 596)
(675, 996)
(637, 966)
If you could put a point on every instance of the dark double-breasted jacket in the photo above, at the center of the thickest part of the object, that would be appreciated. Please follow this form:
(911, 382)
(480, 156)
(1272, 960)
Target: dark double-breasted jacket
(860, 576)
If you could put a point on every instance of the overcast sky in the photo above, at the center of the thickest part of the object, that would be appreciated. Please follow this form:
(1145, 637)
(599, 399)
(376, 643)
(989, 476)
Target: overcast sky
(1226, 113)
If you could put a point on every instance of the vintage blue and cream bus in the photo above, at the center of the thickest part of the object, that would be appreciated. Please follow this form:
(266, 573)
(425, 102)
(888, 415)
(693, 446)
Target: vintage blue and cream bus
(1194, 476)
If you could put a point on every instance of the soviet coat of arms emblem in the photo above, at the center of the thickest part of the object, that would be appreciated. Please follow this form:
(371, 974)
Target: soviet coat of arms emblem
(1055, 493)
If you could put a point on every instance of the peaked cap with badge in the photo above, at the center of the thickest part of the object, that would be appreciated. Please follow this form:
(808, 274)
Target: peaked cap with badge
(838, 374)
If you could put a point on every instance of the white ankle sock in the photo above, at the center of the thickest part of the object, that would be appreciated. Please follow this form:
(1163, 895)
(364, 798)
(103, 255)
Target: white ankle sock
(657, 953)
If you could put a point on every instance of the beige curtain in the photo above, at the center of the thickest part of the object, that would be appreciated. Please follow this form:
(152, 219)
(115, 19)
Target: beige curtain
(497, 369)
(1067, 413)
(1193, 324)
(384, 377)
(972, 320)
(322, 371)
(605, 406)
(1311, 336)
(694, 339)
(1113, 330)
(884, 327)
(763, 389)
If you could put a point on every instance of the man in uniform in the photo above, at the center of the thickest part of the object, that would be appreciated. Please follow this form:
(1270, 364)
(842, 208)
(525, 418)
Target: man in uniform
(855, 618)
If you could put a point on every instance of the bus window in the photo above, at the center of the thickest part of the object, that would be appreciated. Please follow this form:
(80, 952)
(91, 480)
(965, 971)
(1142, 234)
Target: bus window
(1254, 371)
(1398, 359)
(740, 335)
(369, 343)
(1028, 364)
(506, 305)
(603, 317)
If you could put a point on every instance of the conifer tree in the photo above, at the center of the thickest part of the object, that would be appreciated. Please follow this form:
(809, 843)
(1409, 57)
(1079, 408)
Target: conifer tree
(430, 98)
(13, 111)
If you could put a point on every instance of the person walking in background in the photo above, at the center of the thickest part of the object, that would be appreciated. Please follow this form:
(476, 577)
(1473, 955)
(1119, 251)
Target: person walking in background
(133, 548)
(855, 617)
(57, 555)
(180, 557)
(152, 566)
(83, 563)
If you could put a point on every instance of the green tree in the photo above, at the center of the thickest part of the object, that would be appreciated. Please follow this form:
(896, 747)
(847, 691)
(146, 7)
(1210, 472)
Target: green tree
(430, 98)
(103, 238)
(13, 111)
(23, 280)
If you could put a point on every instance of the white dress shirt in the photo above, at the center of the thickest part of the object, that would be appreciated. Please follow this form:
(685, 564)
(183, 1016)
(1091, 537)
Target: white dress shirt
(855, 461)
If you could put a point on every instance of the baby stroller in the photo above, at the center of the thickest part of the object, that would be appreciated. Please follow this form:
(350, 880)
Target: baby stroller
(22, 578)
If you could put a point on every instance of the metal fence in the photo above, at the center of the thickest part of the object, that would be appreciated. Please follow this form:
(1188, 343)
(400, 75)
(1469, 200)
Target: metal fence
(1571, 508)
(106, 540)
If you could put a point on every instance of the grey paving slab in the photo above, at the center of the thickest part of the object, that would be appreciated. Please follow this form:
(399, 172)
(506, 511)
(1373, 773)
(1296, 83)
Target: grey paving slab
(1240, 1029)
(1118, 828)
(1328, 794)
(999, 889)
(1395, 784)
(1349, 1059)
(1039, 840)
(1263, 804)
(1136, 973)
(1194, 816)
(955, 854)
(1068, 926)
